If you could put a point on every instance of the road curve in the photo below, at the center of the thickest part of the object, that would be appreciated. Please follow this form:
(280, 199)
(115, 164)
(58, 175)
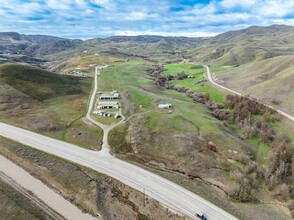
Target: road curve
(237, 93)
(155, 186)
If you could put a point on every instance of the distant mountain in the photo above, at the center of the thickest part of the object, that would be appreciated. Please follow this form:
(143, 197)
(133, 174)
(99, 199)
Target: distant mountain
(43, 38)
(12, 37)
(150, 38)
(246, 45)
(34, 45)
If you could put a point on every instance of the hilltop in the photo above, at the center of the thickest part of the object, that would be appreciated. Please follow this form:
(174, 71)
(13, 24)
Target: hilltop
(33, 45)
(246, 45)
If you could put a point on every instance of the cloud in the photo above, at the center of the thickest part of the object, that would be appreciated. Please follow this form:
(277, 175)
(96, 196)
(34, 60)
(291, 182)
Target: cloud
(96, 18)
(162, 33)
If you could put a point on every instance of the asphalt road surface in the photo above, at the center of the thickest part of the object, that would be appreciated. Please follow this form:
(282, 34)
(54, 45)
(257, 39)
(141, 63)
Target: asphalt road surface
(43, 197)
(155, 186)
(237, 93)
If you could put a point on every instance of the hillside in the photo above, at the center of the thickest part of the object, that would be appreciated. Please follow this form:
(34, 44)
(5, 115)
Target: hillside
(37, 83)
(246, 45)
(270, 80)
(33, 45)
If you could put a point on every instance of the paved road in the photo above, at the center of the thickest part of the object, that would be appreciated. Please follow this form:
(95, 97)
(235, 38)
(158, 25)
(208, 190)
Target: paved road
(155, 186)
(42, 196)
(237, 93)
(33, 199)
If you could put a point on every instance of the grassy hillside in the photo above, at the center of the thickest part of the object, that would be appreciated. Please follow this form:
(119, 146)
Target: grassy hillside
(246, 45)
(196, 71)
(175, 142)
(270, 80)
(71, 63)
(37, 83)
(47, 103)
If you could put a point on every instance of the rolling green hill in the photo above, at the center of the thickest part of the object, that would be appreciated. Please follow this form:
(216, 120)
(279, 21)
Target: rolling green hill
(46, 103)
(36, 83)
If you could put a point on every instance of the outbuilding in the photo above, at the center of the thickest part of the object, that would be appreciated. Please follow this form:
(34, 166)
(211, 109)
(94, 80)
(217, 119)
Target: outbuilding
(165, 106)
(107, 105)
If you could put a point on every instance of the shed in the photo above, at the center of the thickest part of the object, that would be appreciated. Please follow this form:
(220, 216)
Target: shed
(165, 105)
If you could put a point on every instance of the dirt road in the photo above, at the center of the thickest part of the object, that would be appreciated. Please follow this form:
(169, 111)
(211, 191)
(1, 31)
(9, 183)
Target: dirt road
(237, 93)
(105, 128)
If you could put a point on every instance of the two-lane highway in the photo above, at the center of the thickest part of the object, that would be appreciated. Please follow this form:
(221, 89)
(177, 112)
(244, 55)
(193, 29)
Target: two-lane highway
(138, 178)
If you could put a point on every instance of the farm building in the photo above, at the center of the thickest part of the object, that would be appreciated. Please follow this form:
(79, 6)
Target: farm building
(103, 105)
(164, 106)
(110, 97)
(106, 97)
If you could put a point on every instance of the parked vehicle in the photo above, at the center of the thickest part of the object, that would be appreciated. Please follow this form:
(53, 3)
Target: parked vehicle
(201, 215)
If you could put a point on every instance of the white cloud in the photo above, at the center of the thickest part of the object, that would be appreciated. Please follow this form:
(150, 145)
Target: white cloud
(165, 17)
(232, 4)
(58, 5)
(163, 33)
(138, 16)
(275, 9)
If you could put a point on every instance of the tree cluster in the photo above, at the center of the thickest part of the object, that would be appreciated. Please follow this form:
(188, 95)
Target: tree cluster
(240, 110)
(249, 182)
(245, 106)
(280, 163)
(278, 174)
(163, 80)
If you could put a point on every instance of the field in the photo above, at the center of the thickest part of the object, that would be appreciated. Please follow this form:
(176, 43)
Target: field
(48, 103)
(86, 60)
(190, 69)
(197, 72)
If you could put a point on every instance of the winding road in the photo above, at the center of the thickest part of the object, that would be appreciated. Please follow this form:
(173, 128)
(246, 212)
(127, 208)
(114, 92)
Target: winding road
(237, 93)
(163, 190)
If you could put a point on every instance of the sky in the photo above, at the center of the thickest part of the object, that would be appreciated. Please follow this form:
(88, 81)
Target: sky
(85, 19)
